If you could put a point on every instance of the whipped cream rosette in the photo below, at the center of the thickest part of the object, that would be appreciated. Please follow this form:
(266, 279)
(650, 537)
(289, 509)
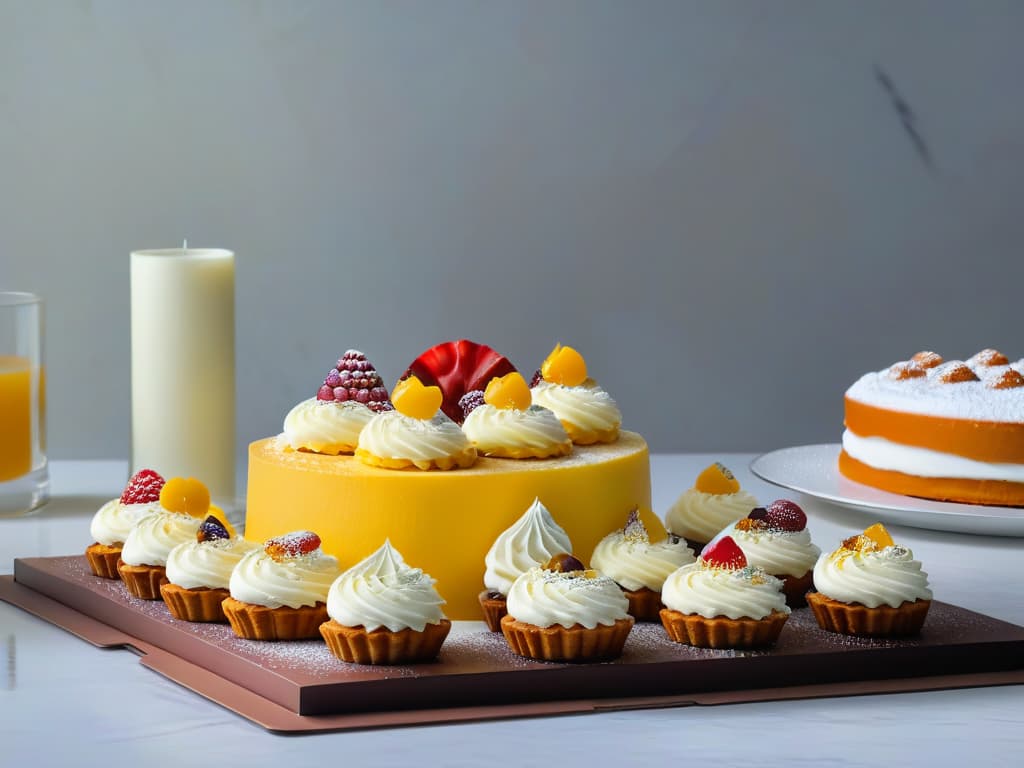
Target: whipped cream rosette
(715, 501)
(416, 434)
(529, 541)
(588, 413)
(775, 538)
(720, 601)
(383, 611)
(562, 611)
(323, 426)
(870, 586)
(114, 520)
(640, 566)
(279, 591)
(508, 425)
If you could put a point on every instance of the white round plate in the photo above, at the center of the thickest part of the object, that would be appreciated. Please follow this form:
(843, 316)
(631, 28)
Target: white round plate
(813, 470)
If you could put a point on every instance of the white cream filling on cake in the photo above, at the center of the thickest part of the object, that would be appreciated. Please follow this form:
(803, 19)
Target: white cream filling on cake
(884, 454)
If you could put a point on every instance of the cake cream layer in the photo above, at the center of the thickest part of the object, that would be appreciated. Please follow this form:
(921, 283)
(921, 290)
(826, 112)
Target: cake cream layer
(445, 522)
(880, 453)
(991, 441)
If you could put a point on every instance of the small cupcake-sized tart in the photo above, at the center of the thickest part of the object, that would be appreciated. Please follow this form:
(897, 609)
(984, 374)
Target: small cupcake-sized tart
(508, 425)
(530, 541)
(638, 566)
(384, 612)
(416, 435)
(198, 572)
(715, 501)
(722, 602)
(113, 521)
(870, 586)
(588, 413)
(564, 612)
(184, 504)
(279, 591)
(330, 423)
(775, 538)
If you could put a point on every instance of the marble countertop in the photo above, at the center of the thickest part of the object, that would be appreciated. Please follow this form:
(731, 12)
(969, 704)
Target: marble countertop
(64, 702)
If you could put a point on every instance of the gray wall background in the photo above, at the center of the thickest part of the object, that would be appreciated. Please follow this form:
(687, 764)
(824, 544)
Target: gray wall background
(719, 203)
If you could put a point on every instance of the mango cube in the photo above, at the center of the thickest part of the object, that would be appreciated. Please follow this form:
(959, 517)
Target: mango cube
(508, 391)
(717, 480)
(879, 535)
(564, 366)
(416, 401)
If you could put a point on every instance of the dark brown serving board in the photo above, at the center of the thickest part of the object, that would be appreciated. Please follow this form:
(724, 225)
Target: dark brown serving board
(300, 686)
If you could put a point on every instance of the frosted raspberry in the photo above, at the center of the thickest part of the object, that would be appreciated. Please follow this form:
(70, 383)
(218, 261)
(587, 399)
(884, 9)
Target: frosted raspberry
(470, 402)
(785, 515)
(538, 377)
(354, 378)
(143, 488)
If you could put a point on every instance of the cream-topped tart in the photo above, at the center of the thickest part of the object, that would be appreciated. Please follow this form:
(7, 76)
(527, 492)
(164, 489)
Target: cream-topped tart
(113, 521)
(715, 501)
(588, 413)
(507, 425)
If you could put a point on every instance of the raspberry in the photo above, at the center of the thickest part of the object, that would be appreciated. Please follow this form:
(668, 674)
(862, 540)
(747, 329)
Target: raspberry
(211, 530)
(292, 544)
(470, 402)
(724, 553)
(143, 488)
(784, 515)
(354, 378)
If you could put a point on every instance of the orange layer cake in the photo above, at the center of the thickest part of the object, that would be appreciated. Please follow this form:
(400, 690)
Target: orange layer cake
(444, 521)
(952, 430)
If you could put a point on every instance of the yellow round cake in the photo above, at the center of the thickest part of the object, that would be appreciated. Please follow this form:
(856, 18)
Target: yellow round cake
(445, 522)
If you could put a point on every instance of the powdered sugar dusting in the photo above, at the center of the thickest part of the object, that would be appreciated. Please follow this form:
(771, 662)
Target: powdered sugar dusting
(930, 395)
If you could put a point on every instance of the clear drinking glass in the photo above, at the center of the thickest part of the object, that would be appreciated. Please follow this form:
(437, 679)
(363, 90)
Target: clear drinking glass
(24, 479)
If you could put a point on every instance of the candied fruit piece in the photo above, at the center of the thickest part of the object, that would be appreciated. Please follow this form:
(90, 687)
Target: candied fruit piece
(211, 530)
(785, 515)
(988, 357)
(470, 401)
(907, 370)
(956, 372)
(927, 359)
(879, 535)
(354, 378)
(508, 391)
(1008, 379)
(292, 544)
(185, 495)
(724, 553)
(717, 479)
(563, 562)
(412, 399)
(564, 366)
(143, 488)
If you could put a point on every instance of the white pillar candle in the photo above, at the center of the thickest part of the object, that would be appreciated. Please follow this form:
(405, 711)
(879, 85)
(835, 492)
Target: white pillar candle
(183, 366)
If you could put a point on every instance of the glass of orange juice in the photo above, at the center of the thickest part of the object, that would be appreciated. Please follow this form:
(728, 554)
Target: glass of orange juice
(24, 479)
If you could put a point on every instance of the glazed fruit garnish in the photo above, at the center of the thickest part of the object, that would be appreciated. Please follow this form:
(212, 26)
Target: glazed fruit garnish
(355, 378)
(211, 530)
(292, 544)
(724, 553)
(785, 515)
(412, 399)
(185, 495)
(143, 488)
(458, 367)
(717, 480)
(635, 531)
(908, 370)
(927, 359)
(989, 357)
(564, 366)
(470, 401)
(563, 562)
(1008, 379)
(874, 537)
(956, 373)
(536, 379)
(508, 391)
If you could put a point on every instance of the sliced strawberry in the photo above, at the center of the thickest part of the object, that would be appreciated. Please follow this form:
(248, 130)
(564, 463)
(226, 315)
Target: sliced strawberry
(458, 367)
(724, 553)
(143, 488)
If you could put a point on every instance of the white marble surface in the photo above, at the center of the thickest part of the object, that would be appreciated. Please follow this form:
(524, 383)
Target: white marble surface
(64, 702)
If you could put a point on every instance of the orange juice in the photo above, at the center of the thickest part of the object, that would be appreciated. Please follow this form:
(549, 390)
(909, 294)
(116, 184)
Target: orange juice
(15, 417)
